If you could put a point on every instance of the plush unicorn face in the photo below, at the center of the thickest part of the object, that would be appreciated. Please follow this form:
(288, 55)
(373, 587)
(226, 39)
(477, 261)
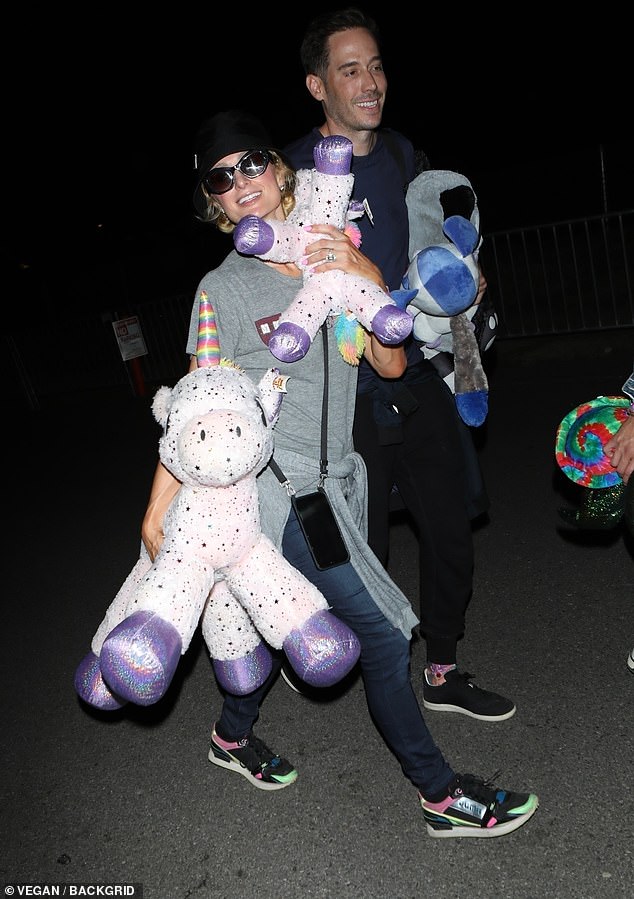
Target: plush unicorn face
(446, 276)
(218, 425)
(444, 224)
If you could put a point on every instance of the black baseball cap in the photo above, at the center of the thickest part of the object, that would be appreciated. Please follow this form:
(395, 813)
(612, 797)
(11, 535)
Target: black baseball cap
(225, 133)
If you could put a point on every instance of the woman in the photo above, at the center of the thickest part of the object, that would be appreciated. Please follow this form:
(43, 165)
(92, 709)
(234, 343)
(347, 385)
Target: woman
(239, 174)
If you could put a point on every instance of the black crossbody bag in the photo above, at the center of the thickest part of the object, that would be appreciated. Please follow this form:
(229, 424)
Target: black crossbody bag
(313, 510)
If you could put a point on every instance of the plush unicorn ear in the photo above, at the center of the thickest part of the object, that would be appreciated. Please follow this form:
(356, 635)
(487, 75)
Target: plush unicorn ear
(161, 405)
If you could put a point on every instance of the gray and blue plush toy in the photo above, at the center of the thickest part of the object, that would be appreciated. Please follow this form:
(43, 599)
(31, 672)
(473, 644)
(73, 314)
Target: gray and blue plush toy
(441, 285)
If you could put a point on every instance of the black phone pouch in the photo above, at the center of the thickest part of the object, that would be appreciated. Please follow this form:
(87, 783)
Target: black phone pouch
(320, 528)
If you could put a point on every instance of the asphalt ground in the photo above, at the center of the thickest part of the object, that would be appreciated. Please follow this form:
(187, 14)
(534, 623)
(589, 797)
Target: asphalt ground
(129, 797)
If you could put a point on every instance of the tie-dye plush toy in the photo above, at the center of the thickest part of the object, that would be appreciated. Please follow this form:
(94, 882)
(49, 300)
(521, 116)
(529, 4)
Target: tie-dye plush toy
(323, 197)
(214, 561)
(579, 452)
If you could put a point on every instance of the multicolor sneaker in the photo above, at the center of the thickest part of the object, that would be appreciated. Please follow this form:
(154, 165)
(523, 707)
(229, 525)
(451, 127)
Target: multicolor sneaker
(253, 759)
(475, 808)
(460, 694)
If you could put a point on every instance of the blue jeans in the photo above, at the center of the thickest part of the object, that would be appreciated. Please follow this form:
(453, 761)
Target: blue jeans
(385, 668)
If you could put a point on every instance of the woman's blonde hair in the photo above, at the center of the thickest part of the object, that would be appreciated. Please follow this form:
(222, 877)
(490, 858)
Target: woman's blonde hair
(214, 213)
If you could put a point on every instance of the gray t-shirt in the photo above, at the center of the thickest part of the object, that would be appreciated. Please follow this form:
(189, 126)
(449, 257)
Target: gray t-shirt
(248, 296)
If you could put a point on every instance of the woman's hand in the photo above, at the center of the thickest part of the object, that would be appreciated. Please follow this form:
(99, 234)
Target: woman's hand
(348, 258)
(164, 489)
(388, 361)
(152, 531)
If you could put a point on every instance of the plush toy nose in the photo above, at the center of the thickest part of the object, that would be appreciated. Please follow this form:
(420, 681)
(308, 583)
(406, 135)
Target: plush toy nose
(221, 447)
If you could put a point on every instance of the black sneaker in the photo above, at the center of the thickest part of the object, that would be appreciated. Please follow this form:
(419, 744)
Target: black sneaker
(460, 694)
(475, 808)
(317, 694)
(254, 760)
(293, 679)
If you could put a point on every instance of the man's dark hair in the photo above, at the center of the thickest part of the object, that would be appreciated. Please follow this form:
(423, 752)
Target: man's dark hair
(314, 49)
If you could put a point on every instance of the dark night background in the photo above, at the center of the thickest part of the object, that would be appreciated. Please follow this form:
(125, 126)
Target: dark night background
(104, 112)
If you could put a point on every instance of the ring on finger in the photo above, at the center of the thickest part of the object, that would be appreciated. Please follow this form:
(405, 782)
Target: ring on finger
(330, 256)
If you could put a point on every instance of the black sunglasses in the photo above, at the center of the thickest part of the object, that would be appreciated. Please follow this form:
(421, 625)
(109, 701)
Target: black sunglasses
(222, 178)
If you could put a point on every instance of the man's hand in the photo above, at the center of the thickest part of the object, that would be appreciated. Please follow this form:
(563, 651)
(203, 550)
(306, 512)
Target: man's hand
(482, 286)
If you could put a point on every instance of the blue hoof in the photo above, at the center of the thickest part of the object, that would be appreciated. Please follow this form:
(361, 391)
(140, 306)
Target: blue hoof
(473, 407)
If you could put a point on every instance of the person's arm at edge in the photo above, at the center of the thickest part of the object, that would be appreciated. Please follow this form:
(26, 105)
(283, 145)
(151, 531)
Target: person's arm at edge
(164, 488)
(620, 449)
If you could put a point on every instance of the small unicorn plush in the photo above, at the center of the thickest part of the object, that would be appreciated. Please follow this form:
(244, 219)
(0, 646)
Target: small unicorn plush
(323, 197)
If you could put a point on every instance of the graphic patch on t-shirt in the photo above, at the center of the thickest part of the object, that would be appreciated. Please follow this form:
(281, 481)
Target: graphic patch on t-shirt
(266, 326)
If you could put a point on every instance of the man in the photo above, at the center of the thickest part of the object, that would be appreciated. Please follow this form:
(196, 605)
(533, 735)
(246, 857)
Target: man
(407, 429)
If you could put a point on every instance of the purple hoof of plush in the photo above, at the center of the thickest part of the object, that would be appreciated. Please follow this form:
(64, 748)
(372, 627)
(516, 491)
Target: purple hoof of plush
(139, 657)
(289, 342)
(322, 651)
(333, 155)
(392, 325)
(253, 236)
(241, 676)
(92, 688)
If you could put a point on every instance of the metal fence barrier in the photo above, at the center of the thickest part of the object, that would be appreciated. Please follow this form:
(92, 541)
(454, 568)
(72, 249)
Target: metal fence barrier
(565, 277)
(562, 278)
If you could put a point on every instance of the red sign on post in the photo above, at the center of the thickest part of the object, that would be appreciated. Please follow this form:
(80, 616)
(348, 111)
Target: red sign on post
(130, 338)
